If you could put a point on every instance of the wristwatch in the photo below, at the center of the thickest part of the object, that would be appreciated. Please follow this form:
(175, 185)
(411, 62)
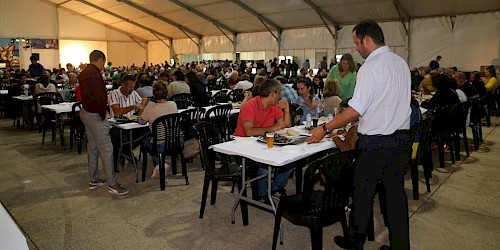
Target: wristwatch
(325, 129)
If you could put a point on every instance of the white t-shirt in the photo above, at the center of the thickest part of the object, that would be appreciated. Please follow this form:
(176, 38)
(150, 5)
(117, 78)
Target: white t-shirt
(382, 94)
(243, 85)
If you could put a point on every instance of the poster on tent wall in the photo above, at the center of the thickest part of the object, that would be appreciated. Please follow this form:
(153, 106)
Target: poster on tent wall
(45, 43)
(9, 53)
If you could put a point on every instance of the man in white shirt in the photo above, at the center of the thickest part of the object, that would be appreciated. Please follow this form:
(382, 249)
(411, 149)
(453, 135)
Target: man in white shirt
(125, 101)
(381, 101)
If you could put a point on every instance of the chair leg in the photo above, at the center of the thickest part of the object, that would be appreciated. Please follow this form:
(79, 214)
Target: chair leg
(173, 161)
(184, 167)
(414, 178)
(466, 141)
(204, 195)
(144, 163)
(316, 232)
(440, 144)
(456, 140)
(79, 139)
(213, 194)
(162, 172)
(370, 229)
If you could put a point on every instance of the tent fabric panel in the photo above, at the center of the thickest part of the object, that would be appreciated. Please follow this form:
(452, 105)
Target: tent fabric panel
(307, 38)
(79, 7)
(215, 44)
(295, 19)
(78, 51)
(426, 43)
(104, 17)
(256, 42)
(185, 46)
(158, 52)
(476, 40)
(126, 53)
(36, 20)
(113, 35)
(71, 26)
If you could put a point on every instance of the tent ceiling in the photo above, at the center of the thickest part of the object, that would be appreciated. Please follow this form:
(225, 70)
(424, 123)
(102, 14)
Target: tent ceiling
(286, 14)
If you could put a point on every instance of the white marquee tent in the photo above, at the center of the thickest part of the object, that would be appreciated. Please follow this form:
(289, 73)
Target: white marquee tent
(465, 33)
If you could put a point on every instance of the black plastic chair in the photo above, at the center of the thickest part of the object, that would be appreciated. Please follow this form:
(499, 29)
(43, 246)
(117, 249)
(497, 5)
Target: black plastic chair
(181, 96)
(236, 95)
(218, 116)
(221, 96)
(476, 112)
(190, 117)
(77, 128)
(46, 118)
(209, 135)
(316, 209)
(56, 98)
(172, 125)
(232, 122)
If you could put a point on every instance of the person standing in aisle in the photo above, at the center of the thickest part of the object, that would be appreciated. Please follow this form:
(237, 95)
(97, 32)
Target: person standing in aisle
(381, 101)
(93, 115)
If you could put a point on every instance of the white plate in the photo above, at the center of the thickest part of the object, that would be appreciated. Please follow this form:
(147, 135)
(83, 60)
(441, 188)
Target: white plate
(292, 149)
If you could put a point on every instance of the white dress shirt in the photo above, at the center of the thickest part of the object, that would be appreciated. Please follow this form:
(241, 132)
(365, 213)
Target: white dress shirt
(382, 94)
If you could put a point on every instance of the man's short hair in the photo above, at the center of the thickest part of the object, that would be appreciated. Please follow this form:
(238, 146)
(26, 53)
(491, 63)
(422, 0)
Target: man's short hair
(244, 77)
(33, 58)
(268, 86)
(96, 55)
(179, 76)
(369, 28)
(126, 78)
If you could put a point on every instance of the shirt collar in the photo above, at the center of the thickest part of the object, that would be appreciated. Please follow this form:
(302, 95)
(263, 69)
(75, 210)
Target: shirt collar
(378, 51)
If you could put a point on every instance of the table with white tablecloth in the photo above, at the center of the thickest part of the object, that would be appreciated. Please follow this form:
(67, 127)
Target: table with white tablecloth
(11, 236)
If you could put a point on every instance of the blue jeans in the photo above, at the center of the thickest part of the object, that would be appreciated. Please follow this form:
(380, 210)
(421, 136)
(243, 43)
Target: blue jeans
(280, 181)
(149, 147)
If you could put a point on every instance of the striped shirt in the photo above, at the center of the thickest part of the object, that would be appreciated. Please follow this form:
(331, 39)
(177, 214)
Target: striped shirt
(117, 97)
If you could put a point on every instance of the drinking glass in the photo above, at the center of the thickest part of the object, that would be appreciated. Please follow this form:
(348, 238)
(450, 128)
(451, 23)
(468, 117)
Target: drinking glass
(270, 140)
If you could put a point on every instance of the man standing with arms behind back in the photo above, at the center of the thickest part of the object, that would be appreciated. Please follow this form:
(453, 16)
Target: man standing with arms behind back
(93, 115)
(381, 101)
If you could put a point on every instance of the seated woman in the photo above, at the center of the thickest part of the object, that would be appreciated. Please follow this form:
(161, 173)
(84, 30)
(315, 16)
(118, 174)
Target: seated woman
(491, 79)
(304, 100)
(331, 94)
(150, 113)
(445, 95)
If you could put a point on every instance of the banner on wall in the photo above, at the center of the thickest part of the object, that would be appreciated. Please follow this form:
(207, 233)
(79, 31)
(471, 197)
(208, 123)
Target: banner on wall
(45, 43)
(9, 52)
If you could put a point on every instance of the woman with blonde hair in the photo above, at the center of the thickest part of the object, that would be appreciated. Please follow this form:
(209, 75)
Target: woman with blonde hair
(331, 94)
(345, 73)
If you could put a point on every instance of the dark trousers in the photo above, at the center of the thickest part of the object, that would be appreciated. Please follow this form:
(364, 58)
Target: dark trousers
(382, 159)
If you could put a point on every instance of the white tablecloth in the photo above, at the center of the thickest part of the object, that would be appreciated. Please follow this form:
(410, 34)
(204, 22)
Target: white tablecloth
(250, 148)
(4, 91)
(10, 235)
(23, 98)
(65, 107)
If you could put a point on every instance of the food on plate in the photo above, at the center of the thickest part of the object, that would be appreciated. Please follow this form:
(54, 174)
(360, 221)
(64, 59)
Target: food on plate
(132, 117)
(278, 139)
(322, 119)
(289, 132)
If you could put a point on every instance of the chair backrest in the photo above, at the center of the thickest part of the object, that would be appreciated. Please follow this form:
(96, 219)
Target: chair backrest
(190, 117)
(334, 171)
(183, 104)
(218, 116)
(236, 95)
(181, 96)
(208, 136)
(167, 128)
(46, 98)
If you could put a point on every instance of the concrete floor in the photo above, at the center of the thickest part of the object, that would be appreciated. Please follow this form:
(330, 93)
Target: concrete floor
(45, 190)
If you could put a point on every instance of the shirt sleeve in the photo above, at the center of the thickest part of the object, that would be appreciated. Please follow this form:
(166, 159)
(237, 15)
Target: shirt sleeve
(113, 98)
(278, 113)
(364, 90)
(247, 114)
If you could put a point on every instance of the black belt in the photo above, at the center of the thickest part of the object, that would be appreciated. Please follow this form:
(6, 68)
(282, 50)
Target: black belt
(382, 141)
(397, 132)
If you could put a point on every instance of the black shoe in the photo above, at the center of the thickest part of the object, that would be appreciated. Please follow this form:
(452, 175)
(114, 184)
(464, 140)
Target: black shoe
(278, 194)
(385, 247)
(344, 243)
(265, 200)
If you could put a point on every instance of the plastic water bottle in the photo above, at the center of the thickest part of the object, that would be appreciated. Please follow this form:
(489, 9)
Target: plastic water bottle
(25, 92)
(330, 117)
(318, 108)
(309, 120)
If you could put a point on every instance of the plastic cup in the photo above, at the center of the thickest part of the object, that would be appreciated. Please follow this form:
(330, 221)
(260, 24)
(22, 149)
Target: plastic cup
(315, 121)
(270, 140)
